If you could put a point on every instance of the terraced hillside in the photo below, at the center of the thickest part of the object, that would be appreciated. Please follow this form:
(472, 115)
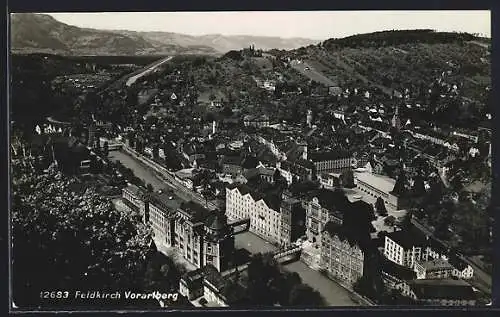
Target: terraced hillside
(398, 65)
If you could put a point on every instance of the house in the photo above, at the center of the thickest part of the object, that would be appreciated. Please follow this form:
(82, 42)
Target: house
(334, 90)
(460, 268)
(202, 236)
(342, 253)
(221, 290)
(162, 210)
(433, 269)
(397, 277)
(218, 289)
(299, 169)
(293, 219)
(232, 165)
(325, 206)
(442, 292)
(191, 284)
(405, 247)
(329, 180)
(256, 121)
(134, 196)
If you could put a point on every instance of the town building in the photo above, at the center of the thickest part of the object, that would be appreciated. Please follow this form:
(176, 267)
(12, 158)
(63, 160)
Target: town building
(255, 121)
(293, 218)
(325, 206)
(162, 212)
(299, 169)
(342, 253)
(375, 186)
(460, 268)
(433, 269)
(202, 236)
(329, 180)
(335, 161)
(406, 247)
(442, 292)
(218, 289)
(263, 210)
(397, 277)
(135, 197)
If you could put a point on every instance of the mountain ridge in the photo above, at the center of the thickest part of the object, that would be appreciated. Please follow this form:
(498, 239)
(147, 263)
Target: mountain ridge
(32, 32)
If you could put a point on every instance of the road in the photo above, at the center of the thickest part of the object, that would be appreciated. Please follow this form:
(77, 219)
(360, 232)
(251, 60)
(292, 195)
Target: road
(134, 78)
(312, 73)
(334, 294)
(157, 180)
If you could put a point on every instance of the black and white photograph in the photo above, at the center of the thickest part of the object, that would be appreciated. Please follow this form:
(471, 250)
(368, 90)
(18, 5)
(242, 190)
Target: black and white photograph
(250, 160)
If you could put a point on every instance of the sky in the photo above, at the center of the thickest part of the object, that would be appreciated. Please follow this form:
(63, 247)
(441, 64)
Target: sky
(318, 25)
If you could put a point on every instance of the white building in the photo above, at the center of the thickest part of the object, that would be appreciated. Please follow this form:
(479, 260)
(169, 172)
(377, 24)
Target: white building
(263, 211)
(377, 186)
(405, 247)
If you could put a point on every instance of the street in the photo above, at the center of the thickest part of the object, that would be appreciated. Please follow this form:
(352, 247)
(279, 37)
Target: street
(163, 182)
(133, 79)
(334, 294)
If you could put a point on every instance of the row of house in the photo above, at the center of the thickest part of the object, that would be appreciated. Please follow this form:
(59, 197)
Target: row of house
(200, 235)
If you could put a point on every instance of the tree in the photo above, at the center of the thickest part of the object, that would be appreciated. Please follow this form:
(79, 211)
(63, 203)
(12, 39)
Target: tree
(390, 221)
(380, 207)
(304, 295)
(347, 178)
(150, 188)
(77, 239)
(262, 276)
(105, 149)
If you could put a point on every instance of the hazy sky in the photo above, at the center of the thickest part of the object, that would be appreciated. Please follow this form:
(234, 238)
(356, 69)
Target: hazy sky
(308, 24)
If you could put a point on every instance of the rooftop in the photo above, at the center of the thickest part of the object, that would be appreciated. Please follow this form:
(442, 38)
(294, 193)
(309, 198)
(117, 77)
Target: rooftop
(436, 264)
(134, 190)
(397, 271)
(383, 183)
(442, 289)
(195, 211)
(409, 238)
(167, 201)
(326, 156)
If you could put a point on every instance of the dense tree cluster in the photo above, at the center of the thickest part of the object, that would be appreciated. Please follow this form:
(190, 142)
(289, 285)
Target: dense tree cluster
(268, 285)
(66, 237)
(385, 38)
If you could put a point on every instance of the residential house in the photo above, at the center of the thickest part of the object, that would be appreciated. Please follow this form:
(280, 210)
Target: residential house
(325, 206)
(293, 218)
(433, 269)
(342, 253)
(202, 236)
(397, 277)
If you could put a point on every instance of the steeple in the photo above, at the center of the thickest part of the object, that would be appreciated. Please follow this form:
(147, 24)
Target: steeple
(396, 121)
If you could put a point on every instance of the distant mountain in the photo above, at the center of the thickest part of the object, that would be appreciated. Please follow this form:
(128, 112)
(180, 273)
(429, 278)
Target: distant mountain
(225, 43)
(42, 33)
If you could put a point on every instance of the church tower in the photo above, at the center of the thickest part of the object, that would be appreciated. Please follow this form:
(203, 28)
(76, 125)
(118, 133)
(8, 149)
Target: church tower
(309, 118)
(396, 121)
